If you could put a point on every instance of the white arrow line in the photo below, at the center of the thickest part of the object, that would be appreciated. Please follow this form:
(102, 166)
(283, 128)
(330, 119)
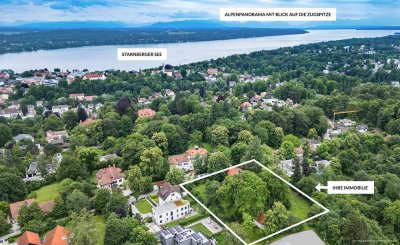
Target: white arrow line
(320, 187)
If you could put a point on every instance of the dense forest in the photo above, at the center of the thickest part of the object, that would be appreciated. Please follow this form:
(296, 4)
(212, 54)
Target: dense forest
(208, 114)
(57, 39)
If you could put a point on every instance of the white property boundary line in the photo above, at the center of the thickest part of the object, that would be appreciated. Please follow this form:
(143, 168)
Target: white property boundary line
(276, 175)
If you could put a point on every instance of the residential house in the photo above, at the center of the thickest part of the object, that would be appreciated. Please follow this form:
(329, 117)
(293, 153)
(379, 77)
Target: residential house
(110, 177)
(88, 122)
(395, 83)
(29, 238)
(30, 113)
(196, 151)
(212, 71)
(21, 137)
(299, 151)
(79, 97)
(59, 109)
(15, 207)
(233, 171)
(287, 166)
(57, 137)
(182, 236)
(313, 143)
(170, 206)
(4, 75)
(11, 113)
(362, 128)
(245, 105)
(170, 93)
(146, 113)
(259, 221)
(143, 101)
(347, 122)
(107, 157)
(181, 162)
(58, 236)
(94, 76)
(33, 173)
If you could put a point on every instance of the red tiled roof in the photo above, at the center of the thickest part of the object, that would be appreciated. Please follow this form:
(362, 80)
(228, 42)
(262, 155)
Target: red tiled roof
(76, 95)
(14, 207)
(93, 75)
(87, 122)
(57, 236)
(233, 171)
(146, 113)
(299, 150)
(106, 176)
(29, 238)
(196, 151)
(212, 71)
(245, 105)
(176, 159)
(261, 218)
(47, 207)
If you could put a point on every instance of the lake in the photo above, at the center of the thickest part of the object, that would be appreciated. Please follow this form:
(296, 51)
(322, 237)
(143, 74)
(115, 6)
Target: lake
(105, 57)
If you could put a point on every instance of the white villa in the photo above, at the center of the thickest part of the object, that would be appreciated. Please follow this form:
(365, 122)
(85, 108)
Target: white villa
(171, 206)
(185, 161)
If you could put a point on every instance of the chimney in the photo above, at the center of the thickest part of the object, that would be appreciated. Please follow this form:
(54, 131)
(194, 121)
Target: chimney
(196, 147)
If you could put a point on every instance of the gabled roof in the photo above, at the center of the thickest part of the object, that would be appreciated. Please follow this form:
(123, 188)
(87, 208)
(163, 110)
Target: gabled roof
(106, 176)
(233, 171)
(57, 236)
(14, 207)
(146, 113)
(176, 159)
(196, 150)
(29, 238)
(166, 189)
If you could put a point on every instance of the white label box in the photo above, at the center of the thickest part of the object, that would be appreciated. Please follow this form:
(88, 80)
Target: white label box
(277, 14)
(142, 54)
(350, 187)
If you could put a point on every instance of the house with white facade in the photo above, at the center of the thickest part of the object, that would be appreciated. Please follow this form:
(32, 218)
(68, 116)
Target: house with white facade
(110, 177)
(170, 206)
(182, 236)
(56, 137)
(60, 109)
(181, 161)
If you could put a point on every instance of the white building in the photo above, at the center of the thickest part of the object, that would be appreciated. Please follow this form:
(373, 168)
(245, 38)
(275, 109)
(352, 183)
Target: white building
(181, 162)
(59, 109)
(171, 206)
(110, 177)
(287, 166)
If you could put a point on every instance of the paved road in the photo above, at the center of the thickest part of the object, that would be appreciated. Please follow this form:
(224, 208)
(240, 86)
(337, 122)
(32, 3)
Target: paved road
(305, 237)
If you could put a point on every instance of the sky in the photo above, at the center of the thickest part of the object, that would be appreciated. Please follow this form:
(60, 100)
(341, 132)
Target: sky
(150, 11)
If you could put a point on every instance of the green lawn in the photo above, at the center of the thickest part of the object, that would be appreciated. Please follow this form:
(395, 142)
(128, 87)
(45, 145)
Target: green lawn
(154, 197)
(186, 221)
(300, 205)
(47, 193)
(207, 146)
(143, 206)
(201, 228)
(101, 228)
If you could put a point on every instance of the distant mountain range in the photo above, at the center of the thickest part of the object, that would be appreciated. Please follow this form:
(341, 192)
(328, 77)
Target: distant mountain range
(210, 24)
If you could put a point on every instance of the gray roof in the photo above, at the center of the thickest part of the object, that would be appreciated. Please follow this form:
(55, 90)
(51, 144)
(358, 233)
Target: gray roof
(33, 168)
(305, 237)
(182, 234)
(22, 136)
(166, 189)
